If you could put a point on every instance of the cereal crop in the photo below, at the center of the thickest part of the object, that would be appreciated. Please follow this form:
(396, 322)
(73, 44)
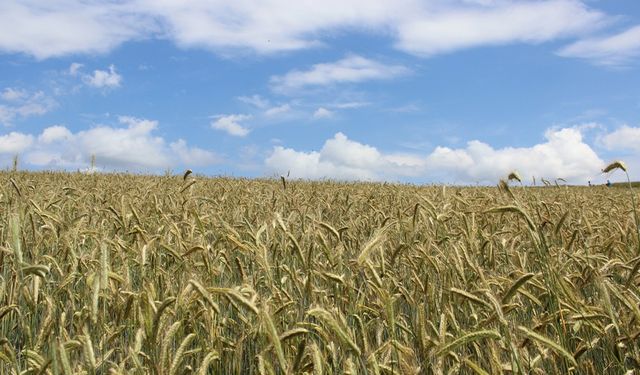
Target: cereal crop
(130, 274)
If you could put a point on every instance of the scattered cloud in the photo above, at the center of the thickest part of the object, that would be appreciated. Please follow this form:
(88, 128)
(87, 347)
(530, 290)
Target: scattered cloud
(624, 138)
(278, 110)
(587, 126)
(350, 69)
(132, 145)
(589, 114)
(350, 105)
(19, 103)
(14, 143)
(444, 29)
(407, 108)
(75, 68)
(255, 100)
(563, 154)
(64, 27)
(614, 50)
(55, 133)
(231, 124)
(10, 94)
(343, 159)
(193, 155)
(622, 143)
(263, 107)
(322, 113)
(265, 28)
(103, 78)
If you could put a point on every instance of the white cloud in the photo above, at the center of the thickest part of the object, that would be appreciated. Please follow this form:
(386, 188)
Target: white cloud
(193, 155)
(278, 110)
(622, 143)
(14, 143)
(133, 146)
(22, 104)
(54, 134)
(255, 100)
(262, 108)
(564, 154)
(618, 49)
(74, 68)
(231, 124)
(7, 115)
(350, 69)
(63, 27)
(10, 94)
(322, 113)
(268, 27)
(345, 159)
(104, 79)
(624, 138)
(310, 165)
(444, 29)
(350, 105)
(342, 151)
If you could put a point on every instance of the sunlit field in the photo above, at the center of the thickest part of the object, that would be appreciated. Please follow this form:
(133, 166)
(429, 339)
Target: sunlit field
(124, 274)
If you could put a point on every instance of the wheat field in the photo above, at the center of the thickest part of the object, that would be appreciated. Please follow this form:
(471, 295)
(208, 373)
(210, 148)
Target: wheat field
(125, 274)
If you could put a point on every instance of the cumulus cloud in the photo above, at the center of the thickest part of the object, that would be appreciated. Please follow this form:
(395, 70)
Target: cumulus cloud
(19, 103)
(623, 142)
(564, 154)
(624, 138)
(14, 143)
(104, 78)
(343, 158)
(322, 113)
(55, 133)
(350, 69)
(618, 49)
(193, 155)
(231, 124)
(63, 27)
(133, 145)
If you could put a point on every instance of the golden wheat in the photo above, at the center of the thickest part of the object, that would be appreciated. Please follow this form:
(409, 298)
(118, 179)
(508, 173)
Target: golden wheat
(123, 274)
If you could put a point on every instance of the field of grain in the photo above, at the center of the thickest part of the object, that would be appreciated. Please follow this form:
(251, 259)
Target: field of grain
(122, 274)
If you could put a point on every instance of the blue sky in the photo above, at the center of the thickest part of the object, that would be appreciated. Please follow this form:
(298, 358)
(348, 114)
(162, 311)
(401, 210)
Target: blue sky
(416, 91)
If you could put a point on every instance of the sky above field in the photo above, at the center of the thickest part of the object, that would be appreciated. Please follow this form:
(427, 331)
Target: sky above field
(401, 90)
